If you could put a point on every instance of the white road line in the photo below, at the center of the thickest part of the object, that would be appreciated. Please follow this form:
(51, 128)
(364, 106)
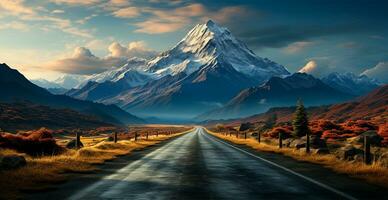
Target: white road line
(286, 169)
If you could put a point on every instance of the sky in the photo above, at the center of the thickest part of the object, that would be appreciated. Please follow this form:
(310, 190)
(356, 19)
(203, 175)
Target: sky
(46, 39)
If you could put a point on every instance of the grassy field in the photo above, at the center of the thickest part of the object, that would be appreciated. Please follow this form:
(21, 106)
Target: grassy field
(41, 173)
(375, 173)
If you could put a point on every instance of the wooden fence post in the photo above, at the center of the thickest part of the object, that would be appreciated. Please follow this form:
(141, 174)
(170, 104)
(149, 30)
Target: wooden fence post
(280, 140)
(147, 136)
(259, 137)
(157, 133)
(245, 135)
(237, 134)
(77, 139)
(135, 135)
(115, 136)
(308, 143)
(367, 155)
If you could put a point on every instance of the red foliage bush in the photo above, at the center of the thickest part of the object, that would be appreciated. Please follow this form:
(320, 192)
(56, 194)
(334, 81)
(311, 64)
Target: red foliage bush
(39, 142)
(328, 125)
(285, 130)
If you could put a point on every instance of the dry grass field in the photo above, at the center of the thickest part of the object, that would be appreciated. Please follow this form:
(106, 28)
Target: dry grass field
(374, 173)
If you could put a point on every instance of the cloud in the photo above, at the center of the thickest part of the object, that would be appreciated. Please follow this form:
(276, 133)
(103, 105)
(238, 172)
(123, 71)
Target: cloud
(87, 18)
(76, 2)
(84, 62)
(14, 25)
(15, 7)
(158, 27)
(231, 13)
(128, 12)
(170, 20)
(297, 47)
(58, 11)
(282, 36)
(316, 67)
(134, 49)
(378, 72)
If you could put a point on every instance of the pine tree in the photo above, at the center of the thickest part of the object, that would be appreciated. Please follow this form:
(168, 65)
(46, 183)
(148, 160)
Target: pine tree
(300, 122)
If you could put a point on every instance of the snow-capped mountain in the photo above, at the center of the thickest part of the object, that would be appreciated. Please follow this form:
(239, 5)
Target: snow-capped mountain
(207, 43)
(202, 72)
(351, 83)
(132, 71)
(278, 92)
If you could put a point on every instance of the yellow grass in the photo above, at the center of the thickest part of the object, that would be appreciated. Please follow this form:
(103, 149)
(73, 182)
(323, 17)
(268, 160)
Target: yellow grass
(41, 173)
(375, 173)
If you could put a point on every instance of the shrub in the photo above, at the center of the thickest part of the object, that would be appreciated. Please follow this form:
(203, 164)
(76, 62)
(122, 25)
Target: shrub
(35, 143)
(286, 132)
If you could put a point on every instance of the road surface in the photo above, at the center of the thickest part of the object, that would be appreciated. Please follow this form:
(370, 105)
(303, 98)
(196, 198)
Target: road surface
(200, 166)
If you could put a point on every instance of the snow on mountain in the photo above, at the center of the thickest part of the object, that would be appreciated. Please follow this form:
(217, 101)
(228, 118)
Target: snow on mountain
(204, 70)
(351, 83)
(69, 81)
(45, 83)
(208, 42)
(132, 73)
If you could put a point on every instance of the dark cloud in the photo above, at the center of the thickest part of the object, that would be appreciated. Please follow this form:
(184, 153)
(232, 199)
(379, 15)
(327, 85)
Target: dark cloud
(281, 36)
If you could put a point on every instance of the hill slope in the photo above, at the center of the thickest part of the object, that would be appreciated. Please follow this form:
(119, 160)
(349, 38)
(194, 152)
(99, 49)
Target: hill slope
(15, 87)
(26, 116)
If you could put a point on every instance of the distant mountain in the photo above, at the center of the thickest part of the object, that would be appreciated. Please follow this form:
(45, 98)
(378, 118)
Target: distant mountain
(372, 106)
(351, 83)
(15, 87)
(202, 72)
(27, 116)
(278, 92)
(45, 83)
(67, 81)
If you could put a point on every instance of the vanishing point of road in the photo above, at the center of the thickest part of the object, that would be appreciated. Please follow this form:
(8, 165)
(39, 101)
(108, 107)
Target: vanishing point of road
(198, 165)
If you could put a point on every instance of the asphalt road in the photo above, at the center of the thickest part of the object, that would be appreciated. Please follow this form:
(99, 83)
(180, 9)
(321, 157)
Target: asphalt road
(200, 166)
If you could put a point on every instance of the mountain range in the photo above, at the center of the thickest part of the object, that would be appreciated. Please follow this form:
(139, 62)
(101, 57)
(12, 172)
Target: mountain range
(210, 74)
(278, 92)
(16, 88)
(372, 106)
(202, 72)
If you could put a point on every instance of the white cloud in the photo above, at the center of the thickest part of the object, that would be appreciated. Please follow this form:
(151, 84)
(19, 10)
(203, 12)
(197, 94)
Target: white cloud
(58, 11)
(84, 62)
(297, 47)
(128, 12)
(134, 49)
(379, 72)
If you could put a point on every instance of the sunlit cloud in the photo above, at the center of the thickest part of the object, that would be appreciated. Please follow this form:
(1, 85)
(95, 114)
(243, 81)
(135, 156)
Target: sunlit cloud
(128, 12)
(83, 61)
(15, 7)
(58, 11)
(77, 2)
(134, 49)
(165, 21)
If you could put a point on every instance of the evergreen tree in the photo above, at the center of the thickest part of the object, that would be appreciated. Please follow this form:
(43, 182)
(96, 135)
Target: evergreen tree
(300, 122)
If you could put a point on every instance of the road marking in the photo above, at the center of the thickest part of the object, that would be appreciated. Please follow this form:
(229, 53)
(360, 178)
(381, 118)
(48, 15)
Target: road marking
(331, 189)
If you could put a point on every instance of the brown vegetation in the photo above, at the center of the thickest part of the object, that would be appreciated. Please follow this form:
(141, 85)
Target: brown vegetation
(44, 171)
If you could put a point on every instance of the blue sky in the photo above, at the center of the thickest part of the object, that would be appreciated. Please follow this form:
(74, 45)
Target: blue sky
(45, 39)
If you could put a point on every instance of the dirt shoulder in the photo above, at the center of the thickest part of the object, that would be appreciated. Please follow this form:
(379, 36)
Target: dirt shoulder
(374, 177)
